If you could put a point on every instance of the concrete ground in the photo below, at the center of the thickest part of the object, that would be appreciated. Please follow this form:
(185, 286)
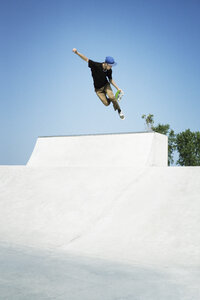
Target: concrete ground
(28, 274)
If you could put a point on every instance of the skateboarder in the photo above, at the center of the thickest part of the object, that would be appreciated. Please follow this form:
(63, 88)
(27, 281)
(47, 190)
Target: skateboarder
(101, 73)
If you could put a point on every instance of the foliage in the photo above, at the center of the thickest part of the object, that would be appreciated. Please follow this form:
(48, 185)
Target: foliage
(186, 143)
(188, 146)
(149, 121)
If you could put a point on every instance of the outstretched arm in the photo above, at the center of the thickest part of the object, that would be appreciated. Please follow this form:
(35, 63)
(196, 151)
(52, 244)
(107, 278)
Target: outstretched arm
(81, 55)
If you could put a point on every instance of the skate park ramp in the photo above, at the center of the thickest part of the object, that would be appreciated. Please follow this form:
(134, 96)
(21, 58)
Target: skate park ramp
(100, 217)
(101, 150)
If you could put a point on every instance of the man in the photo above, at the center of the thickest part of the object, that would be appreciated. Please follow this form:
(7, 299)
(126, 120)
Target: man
(101, 73)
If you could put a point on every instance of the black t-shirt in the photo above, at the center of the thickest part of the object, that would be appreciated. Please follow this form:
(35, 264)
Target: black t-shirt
(98, 74)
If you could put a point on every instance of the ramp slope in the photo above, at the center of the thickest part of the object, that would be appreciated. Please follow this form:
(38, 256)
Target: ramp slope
(141, 149)
(134, 213)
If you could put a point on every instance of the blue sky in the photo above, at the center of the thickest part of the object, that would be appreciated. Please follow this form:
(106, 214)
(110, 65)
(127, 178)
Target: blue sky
(47, 90)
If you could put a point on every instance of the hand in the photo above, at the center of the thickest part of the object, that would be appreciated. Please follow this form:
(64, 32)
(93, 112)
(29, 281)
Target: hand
(74, 50)
(120, 91)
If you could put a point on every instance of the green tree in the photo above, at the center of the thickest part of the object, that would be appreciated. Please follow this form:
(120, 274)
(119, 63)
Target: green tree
(149, 121)
(188, 146)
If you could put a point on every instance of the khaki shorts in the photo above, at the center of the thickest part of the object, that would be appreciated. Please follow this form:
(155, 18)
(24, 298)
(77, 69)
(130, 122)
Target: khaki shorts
(106, 95)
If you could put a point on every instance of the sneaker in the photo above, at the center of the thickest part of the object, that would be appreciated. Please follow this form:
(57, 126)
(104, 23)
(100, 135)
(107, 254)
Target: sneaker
(121, 115)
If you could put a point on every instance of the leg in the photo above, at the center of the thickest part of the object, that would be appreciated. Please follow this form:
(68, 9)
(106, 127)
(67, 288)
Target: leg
(111, 96)
(102, 96)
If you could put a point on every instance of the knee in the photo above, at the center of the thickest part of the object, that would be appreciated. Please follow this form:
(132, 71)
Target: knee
(107, 103)
(113, 100)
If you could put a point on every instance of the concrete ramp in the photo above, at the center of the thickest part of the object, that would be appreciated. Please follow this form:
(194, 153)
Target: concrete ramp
(103, 196)
(132, 149)
(100, 217)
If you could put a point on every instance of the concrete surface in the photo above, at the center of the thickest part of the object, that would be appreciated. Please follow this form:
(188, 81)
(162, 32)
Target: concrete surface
(130, 149)
(103, 203)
